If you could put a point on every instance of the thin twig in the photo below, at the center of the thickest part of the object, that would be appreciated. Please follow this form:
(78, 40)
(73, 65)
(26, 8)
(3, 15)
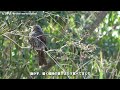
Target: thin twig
(51, 63)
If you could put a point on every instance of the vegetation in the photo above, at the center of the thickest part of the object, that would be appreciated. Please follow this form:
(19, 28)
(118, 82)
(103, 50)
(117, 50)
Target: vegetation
(85, 44)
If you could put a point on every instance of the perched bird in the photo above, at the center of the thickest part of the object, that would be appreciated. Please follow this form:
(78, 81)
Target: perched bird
(38, 42)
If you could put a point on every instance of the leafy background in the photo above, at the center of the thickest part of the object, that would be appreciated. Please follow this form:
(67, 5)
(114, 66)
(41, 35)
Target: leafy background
(77, 41)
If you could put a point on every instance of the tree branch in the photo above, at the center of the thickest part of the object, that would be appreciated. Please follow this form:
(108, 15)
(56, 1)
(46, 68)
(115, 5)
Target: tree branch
(99, 19)
(92, 27)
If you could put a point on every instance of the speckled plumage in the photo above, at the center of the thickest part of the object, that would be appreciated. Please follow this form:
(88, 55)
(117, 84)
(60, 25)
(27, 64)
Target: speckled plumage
(38, 42)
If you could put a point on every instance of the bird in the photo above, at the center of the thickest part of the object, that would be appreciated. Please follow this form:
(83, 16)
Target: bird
(37, 41)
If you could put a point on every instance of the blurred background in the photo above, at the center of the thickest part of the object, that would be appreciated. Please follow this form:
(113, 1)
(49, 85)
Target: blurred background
(77, 41)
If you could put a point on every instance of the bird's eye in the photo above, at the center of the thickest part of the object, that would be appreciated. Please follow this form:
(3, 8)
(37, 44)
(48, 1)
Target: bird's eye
(37, 28)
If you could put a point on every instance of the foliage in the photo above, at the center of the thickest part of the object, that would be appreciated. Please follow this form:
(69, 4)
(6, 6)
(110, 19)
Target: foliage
(90, 54)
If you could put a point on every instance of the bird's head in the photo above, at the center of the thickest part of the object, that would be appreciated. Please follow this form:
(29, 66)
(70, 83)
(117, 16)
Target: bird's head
(37, 28)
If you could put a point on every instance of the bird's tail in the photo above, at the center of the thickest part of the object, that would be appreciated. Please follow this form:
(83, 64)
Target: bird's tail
(42, 59)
